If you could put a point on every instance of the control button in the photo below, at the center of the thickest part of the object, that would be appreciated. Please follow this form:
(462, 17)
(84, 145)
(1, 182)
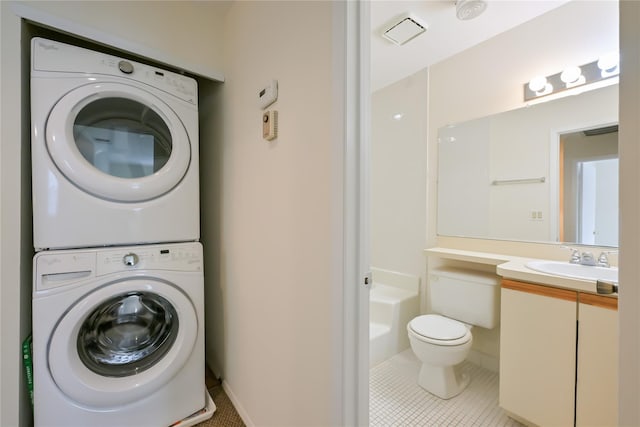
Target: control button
(130, 259)
(125, 67)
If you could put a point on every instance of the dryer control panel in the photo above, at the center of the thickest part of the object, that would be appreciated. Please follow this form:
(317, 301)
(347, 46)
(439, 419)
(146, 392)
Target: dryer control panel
(51, 56)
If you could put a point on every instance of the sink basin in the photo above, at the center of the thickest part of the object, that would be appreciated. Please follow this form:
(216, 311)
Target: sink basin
(575, 271)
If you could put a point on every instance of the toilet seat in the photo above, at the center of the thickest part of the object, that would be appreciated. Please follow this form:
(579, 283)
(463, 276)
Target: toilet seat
(439, 330)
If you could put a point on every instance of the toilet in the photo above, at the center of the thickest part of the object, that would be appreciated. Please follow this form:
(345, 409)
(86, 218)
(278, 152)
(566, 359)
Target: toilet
(460, 299)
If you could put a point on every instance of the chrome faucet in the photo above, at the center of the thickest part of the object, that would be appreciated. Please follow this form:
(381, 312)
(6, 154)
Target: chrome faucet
(575, 255)
(587, 258)
(603, 259)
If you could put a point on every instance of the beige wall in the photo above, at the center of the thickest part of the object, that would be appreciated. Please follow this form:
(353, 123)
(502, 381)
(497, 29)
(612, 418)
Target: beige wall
(398, 176)
(13, 410)
(185, 34)
(629, 308)
(271, 298)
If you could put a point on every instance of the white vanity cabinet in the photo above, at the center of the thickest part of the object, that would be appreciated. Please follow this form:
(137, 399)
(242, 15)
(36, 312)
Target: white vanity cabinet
(558, 356)
(538, 353)
(597, 375)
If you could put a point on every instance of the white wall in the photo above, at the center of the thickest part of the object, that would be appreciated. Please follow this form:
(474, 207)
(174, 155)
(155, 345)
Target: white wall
(272, 295)
(489, 77)
(398, 176)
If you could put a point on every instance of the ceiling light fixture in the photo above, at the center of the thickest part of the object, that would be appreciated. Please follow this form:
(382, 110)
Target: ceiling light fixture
(469, 9)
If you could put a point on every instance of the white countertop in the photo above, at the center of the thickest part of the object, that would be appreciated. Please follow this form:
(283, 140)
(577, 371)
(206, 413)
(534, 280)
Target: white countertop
(512, 267)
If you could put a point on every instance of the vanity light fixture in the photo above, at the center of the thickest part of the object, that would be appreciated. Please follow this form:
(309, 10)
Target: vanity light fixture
(398, 116)
(606, 67)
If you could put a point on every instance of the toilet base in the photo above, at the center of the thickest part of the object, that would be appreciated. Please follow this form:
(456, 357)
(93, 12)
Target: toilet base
(443, 381)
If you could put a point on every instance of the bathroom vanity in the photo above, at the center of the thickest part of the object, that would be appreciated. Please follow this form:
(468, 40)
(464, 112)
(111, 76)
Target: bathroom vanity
(558, 354)
(558, 344)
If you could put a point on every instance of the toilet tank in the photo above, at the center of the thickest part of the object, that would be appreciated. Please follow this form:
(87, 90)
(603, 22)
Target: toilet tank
(469, 296)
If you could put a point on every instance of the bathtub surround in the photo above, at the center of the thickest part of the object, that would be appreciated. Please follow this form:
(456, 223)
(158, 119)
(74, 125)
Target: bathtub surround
(393, 301)
(398, 176)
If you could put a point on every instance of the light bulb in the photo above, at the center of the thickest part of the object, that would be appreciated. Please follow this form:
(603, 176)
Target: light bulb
(537, 83)
(609, 61)
(571, 75)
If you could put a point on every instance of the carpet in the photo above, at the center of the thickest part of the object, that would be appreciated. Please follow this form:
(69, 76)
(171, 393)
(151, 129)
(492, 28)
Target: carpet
(225, 415)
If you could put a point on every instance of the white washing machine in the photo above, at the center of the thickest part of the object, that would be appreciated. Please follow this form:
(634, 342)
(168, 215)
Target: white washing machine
(118, 336)
(114, 150)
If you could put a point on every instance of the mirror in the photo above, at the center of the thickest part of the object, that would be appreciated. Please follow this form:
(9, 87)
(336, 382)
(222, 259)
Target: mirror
(542, 173)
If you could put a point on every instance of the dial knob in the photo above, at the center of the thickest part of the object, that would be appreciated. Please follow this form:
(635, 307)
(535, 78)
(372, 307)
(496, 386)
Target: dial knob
(125, 67)
(130, 259)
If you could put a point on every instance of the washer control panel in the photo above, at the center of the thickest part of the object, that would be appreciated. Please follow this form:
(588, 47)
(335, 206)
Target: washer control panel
(175, 257)
(53, 269)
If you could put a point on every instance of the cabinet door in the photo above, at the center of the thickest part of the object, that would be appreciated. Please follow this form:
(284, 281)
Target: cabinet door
(538, 353)
(597, 379)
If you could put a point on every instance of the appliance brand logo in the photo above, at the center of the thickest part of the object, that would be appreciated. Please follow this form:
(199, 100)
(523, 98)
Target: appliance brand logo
(46, 46)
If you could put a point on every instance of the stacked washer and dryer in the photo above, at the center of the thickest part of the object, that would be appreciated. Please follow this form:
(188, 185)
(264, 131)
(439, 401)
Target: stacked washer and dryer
(118, 317)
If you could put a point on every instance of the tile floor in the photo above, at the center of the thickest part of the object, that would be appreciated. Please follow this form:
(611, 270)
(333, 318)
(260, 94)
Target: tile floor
(397, 400)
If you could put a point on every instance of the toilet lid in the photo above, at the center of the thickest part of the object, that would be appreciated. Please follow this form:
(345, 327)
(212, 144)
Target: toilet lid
(438, 327)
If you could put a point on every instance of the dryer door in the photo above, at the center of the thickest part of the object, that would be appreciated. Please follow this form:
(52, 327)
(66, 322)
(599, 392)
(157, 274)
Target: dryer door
(122, 342)
(118, 142)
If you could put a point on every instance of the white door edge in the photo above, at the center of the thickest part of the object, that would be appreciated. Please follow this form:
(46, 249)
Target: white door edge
(356, 151)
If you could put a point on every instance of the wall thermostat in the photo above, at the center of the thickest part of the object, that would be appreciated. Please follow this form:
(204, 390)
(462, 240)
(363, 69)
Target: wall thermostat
(270, 125)
(269, 94)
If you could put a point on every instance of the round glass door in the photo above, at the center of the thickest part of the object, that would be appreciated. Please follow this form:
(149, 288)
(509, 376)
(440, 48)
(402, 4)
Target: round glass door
(122, 342)
(122, 137)
(127, 334)
(118, 142)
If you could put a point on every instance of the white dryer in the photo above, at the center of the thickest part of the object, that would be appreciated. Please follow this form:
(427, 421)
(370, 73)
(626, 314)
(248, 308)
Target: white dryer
(114, 150)
(118, 336)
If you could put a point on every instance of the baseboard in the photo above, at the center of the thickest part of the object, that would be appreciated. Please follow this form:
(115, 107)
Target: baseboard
(236, 403)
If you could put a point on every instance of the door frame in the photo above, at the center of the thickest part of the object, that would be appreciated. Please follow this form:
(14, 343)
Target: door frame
(355, 120)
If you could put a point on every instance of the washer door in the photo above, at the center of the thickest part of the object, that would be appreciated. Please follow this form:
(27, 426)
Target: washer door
(122, 342)
(118, 142)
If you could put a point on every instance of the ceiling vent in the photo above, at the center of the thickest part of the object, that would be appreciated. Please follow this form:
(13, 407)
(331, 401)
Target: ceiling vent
(404, 30)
